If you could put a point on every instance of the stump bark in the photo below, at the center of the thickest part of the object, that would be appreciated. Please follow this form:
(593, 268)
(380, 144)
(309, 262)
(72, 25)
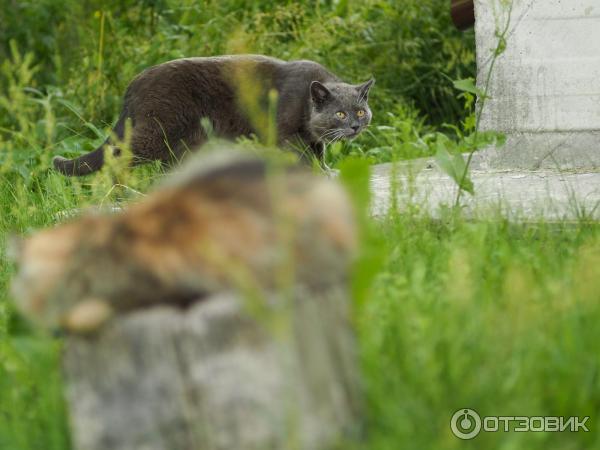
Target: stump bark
(217, 376)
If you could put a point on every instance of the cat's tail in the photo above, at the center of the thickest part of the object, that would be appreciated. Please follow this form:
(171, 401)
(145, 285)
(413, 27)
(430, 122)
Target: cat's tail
(93, 161)
(84, 165)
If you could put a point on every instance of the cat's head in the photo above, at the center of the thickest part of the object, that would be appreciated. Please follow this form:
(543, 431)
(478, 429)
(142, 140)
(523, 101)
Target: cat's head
(338, 110)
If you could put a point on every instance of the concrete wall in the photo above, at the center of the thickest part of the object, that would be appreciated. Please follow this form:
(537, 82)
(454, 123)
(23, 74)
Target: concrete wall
(545, 88)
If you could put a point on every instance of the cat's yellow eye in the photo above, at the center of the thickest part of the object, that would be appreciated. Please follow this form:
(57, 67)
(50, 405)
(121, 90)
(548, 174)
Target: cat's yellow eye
(360, 113)
(340, 114)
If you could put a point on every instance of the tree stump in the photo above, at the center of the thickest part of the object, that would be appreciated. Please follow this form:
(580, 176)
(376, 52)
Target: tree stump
(264, 356)
(215, 376)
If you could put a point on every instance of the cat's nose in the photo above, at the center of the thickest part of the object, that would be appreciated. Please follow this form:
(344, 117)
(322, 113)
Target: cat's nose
(355, 128)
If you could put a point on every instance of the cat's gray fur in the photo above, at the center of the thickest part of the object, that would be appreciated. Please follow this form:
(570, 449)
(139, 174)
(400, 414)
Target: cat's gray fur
(167, 102)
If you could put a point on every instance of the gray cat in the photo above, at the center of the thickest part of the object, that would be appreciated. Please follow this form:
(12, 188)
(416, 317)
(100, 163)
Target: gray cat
(167, 102)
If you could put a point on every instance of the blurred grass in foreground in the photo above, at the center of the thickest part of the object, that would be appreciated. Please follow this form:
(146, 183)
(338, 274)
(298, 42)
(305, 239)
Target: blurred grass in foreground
(497, 317)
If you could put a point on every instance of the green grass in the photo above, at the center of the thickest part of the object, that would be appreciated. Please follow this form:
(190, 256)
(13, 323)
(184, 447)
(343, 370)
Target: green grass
(491, 316)
(497, 317)
(32, 408)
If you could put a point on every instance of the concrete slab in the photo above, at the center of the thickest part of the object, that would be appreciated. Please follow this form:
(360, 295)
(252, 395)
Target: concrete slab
(518, 195)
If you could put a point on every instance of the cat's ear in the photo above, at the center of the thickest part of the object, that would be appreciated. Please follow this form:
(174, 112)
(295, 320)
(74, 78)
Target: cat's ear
(363, 89)
(319, 93)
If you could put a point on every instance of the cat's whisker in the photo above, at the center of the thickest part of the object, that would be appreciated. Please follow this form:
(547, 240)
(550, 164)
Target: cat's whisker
(331, 138)
(329, 133)
(333, 135)
(340, 134)
(334, 138)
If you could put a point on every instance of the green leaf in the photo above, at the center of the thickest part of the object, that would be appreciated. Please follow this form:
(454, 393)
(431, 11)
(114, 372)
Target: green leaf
(454, 166)
(468, 85)
(501, 47)
(463, 180)
(500, 139)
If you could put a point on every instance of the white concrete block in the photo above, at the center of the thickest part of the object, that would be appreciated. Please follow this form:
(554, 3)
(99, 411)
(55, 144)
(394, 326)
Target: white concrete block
(546, 83)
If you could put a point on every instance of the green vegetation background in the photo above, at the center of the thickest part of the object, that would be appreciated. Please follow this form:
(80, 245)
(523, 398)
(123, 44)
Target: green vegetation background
(496, 317)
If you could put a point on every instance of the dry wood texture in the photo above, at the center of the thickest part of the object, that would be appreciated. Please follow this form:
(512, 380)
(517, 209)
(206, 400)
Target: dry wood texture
(215, 377)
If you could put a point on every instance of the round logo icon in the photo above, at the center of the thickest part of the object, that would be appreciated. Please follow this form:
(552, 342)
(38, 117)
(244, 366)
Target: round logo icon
(465, 424)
